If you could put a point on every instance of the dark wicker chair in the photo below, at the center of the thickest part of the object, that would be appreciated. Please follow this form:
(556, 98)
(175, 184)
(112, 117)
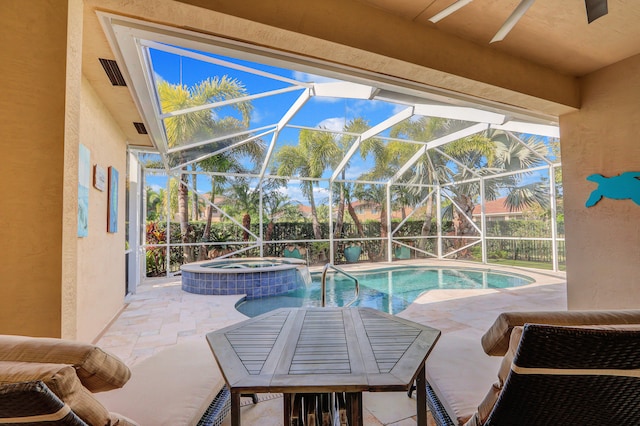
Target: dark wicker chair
(33, 403)
(567, 376)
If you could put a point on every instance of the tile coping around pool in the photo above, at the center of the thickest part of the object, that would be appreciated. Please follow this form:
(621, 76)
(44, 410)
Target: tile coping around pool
(209, 266)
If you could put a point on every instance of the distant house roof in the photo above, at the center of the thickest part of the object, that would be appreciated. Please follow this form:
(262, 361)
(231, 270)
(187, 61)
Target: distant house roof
(496, 207)
(305, 211)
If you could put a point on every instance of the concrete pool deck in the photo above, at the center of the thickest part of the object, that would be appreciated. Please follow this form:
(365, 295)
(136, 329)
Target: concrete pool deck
(160, 315)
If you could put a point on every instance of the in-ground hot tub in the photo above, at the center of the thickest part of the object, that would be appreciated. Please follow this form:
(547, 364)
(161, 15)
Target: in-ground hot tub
(256, 277)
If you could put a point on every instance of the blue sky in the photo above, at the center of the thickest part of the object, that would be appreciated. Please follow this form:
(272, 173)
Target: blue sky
(331, 113)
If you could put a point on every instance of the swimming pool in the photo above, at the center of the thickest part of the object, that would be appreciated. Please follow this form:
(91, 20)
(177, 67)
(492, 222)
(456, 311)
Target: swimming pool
(388, 290)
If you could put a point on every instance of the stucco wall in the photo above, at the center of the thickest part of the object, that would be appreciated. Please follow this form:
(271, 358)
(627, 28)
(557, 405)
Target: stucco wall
(602, 242)
(101, 263)
(33, 150)
(51, 282)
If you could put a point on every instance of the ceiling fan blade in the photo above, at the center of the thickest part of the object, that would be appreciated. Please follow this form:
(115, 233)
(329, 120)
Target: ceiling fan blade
(449, 10)
(512, 20)
(595, 9)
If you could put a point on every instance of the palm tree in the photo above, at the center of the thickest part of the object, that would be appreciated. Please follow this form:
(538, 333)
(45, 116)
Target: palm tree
(477, 153)
(387, 157)
(276, 204)
(243, 200)
(485, 153)
(226, 162)
(310, 158)
(496, 151)
(429, 170)
(357, 125)
(185, 128)
(154, 204)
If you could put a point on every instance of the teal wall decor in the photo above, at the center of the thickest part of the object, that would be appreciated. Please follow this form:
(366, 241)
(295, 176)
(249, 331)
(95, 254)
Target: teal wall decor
(622, 187)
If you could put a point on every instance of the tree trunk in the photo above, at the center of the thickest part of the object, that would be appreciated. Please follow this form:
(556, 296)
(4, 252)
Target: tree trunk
(426, 225)
(384, 229)
(206, 233)
(462, 225)
(384, 226)
(337, 233)
(183, 213)
(267, 237)
(315, 223)
(194, 207)
(340, 215)
(356, 221)
(246, 223)
(269, 233)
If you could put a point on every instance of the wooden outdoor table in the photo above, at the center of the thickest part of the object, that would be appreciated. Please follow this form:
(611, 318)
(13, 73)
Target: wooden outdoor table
(318, 350)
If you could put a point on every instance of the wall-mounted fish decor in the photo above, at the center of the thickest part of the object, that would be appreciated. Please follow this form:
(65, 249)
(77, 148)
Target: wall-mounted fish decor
(624, 186)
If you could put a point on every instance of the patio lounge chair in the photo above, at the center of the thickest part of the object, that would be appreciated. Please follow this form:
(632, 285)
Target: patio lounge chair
(558, 368)
(57, 382)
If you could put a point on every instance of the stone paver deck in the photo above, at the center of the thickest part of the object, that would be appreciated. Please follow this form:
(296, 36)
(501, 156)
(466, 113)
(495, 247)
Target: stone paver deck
(160, 314)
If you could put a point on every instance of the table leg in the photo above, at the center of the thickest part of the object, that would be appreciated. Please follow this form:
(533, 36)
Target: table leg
(288, 399)
(235, 408)
(421, 397)
(354, 405)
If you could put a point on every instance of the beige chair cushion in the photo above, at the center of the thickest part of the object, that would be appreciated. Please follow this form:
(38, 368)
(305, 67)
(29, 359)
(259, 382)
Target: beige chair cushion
(490, 399)
(460, 373)
(98, 370)
(63, 381)
(173, 387)
(496, 340)
(120, 420)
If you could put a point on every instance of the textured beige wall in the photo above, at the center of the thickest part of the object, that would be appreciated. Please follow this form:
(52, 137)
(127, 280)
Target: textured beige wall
(100, 257)
(32, 171)
(70, 178)
(603, 241)
(53, 283)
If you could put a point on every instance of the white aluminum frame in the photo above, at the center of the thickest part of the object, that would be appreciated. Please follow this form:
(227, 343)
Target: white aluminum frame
(131, 41)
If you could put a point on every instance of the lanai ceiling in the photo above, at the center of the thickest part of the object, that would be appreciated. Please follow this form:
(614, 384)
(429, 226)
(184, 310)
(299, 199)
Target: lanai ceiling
(554, 33)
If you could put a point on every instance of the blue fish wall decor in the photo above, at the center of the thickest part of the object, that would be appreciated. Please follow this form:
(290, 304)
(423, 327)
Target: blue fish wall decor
(625, 186)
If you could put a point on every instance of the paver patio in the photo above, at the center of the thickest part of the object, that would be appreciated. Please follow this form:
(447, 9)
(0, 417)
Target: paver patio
(160, 314)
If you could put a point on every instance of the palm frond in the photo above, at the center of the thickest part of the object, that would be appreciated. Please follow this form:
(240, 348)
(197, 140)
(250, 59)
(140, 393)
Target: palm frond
(527, 196)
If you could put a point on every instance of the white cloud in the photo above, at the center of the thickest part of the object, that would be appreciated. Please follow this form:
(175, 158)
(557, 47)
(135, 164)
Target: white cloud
(292, 189)
(294, 192)
(361, 107)
(334, 123)
(317, 191)
(355, 172)
(257, 117)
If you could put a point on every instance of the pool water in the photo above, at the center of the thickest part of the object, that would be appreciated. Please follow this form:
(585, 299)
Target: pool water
(388, 290)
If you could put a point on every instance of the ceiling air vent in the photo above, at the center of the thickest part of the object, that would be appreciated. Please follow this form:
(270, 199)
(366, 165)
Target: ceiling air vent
(113, 72)
(140, 128)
